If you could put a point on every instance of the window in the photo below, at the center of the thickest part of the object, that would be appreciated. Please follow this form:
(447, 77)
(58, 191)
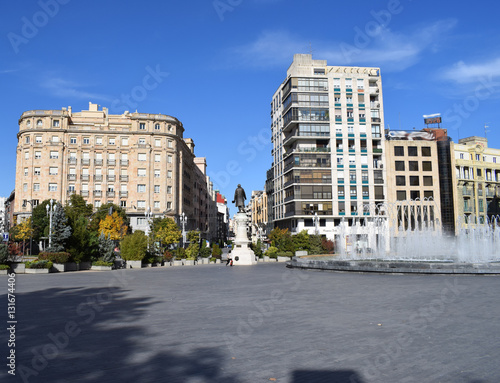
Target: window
(36, 187)
(55, 139)
(364, 175)
(123, 203)
(26, 171)
(157, 173)
(157, 188)
(53, 171)
(319, 71)
(54, 155)
(25, 187)
(399, 151)
(39, 123)
(26, 155)
(412, 151)
(86, 140)
(141, 188)
(169, 205)
(461, 156)
(157, 142)
(157, 204)
(98, 140)
(125, 141)
(38, 139)
(37, 171)
(413, 166)
(97, 203)
(170, 144)
(142, 141)
(55, 123)
(352, 176)
(169, 189)
(141, 205)
(72, 140)
(414, 194)
(428, 194)
(342, 207)
(478, 157)
(112, 141)
(401, 195)
(400, 165)
(353, 192)
(141, 157)
(494, 160)
(426, 166)
(141, 172)
(400, 181)
(169, 174)
(141, 221)
(52, 187)
(478, 171)
(426, 151)
(38, 155)
(157, 126)
(170, 128)
(157, 157)
(169, 159)
(414, 181)
(427, 180)
(142, 126)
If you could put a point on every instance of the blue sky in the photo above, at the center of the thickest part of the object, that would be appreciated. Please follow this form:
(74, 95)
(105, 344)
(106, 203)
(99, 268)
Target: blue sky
(219, 63)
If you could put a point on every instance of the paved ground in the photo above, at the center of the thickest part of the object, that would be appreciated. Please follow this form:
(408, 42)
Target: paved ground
(263, 323)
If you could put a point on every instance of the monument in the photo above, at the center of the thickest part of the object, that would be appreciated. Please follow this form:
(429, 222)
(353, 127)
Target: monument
(241, 254)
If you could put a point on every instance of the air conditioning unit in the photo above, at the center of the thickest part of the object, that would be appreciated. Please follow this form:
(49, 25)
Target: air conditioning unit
(381, 166)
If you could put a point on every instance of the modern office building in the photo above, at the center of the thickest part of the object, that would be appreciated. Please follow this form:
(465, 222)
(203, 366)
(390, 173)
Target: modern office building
(328, 144)
(477, 174)
(139, 161)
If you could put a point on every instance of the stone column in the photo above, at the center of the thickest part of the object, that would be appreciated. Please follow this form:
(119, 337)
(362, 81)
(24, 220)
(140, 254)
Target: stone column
(242, 254)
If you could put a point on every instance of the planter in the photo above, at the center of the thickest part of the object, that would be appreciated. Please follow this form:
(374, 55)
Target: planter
(18, 268)
(4, 272)
(266, 258)
(134, 264)
(283, 259)
(205, 261)
(59, 267)
(119, 263)
(102, 268)
(71, 266)
(178, 262)
(84, 266)
(148, 265)
(189, 262)
(217, 261)
(36, 271)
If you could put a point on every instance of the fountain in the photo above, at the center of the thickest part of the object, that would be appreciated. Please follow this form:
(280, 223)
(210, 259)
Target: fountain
(407, 237)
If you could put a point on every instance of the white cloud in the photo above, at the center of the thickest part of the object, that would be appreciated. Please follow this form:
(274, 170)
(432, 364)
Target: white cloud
(463, 73)
(382, 47)
(60, 87)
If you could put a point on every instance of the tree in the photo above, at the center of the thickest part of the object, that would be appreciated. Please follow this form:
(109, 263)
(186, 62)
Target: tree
(134, 246)
(4, 254)
(216, 251)
(301, 241)
(105, 210)
(113, 226)
(315, 245)
(282, 239)
(82, 244)
(166, 231)
(61, 231)
(40, 221)
(23, 231)
(106, 248)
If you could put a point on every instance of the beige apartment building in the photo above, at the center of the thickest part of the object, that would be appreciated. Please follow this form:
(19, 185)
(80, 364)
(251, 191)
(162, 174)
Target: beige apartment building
(258, 210)
(477, 173)
(413, 192)
(139, 161)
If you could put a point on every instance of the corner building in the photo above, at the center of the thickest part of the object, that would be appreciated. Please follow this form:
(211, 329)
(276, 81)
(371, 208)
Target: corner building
(138, 161)
(328, 169)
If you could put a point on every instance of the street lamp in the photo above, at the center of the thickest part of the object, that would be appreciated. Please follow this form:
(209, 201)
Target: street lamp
(148, 214)
(31, 223)
(51, 208)
(183, 220)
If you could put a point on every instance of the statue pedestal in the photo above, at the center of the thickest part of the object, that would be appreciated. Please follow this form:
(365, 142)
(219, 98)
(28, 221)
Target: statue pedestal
(242, 254)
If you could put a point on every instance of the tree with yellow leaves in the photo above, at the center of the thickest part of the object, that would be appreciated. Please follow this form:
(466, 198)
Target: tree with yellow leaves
(24, 230)
(113, 226)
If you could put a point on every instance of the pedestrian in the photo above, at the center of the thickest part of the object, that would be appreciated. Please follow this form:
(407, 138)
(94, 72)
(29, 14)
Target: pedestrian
(229, 260)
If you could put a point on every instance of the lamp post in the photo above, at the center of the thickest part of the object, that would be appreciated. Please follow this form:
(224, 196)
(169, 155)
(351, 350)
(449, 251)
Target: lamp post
(31, 224)
(148, 214)
(51, 208)
(183, 220)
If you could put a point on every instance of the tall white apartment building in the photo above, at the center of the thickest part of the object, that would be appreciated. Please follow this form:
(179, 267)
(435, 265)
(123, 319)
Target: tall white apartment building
(328, 142)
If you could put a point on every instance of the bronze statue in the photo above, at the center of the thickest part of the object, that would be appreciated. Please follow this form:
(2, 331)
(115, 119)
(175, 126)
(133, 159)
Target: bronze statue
(239, 199)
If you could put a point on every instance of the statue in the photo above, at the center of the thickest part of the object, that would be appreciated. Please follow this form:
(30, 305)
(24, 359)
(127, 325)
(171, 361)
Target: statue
(239, 199)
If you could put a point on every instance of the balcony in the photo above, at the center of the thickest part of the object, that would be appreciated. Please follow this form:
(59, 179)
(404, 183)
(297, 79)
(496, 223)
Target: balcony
(376, 119)
(112, 162)
(71, 177)
(123, 162)
(374, 90)
(98, 177)
(97, 193)
(85, 161)
(111, 178)
(70, 191)
(124, 178)
(377, 150)
(72, 161)
(110, 193)
(84, 193)
(123, 194)
(98, 162)
(378, 181)
(84, 177)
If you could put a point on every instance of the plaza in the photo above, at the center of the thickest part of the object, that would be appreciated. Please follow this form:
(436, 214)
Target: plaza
(211, 323)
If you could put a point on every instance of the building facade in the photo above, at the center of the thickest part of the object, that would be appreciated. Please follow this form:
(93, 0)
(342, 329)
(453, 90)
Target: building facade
(138, 161)
(328, 147)
(477, 177)
(258, 211)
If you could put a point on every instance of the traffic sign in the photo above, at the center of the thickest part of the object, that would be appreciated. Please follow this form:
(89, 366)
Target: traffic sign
(6, 237)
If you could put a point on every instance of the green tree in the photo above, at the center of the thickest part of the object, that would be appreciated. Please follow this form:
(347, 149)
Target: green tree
(216, 251)
(82, 244)
(281, 239)
(192, 250)
(315, 246)
(4, 254)
(106, 248)
(166, 231)
(301, 241)
(61, 231)
(134, 246)
(40, 221)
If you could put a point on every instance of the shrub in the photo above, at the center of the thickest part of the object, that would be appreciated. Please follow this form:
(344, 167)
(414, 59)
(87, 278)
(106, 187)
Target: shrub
(60, 257)
(216, 251)
(180, 253)
(4, 267)
(272, 252)
(167, 256)
(257, 248)
(134, 246)
(44, 264)
(4, 254)
(213, 259)
(205, 252)
(285, 254)
(192, 251)
(328, 246)
(102, 263)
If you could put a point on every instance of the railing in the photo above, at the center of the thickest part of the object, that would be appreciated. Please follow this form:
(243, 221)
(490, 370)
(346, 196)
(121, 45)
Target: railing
(111, 178)
(110, 194)
(98, 177)
(124, 194)
(84, 193)
(70, 191)
(71, 177)
(124, 162)
(85, 161)
(97, 162)
(72, 160)
(84, 177)
(97, 193)
(111, 162)
(124, 178)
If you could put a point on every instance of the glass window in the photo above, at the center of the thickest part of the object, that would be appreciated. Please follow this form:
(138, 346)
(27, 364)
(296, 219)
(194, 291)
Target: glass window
(414, 194)
(414, 181)
(53, 171)
(39, 123)
(36, 187)
(427, 166)
(26, 171)
(26, 155)
(169, 189)
(141, 188)
(427, 180)
(399, 151)
(86, 140)
(52, 187)
(157, 189)
(157, 143)
(142, 126)
(157, 157)
(401, 195)
(55, 123)
(37, 171)
(124, 141)
(98, 140)
(426, 151)
(169, 174)
(38, 139)
(170, 143)
(157, 126)
(412, 151)
(25, 187)
(38, 155)
(54, 155)
(413, 166)
(428, 194)
(141, 205)
(400, 181)
(72, 140)
(141, 172)
(97, 203)
(141, 157)
(112, 141)
(157, 173)
(400, 165)
(169, 159)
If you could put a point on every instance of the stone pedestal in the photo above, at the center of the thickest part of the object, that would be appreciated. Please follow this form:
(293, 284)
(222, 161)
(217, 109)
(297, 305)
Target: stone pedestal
(242, 254)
